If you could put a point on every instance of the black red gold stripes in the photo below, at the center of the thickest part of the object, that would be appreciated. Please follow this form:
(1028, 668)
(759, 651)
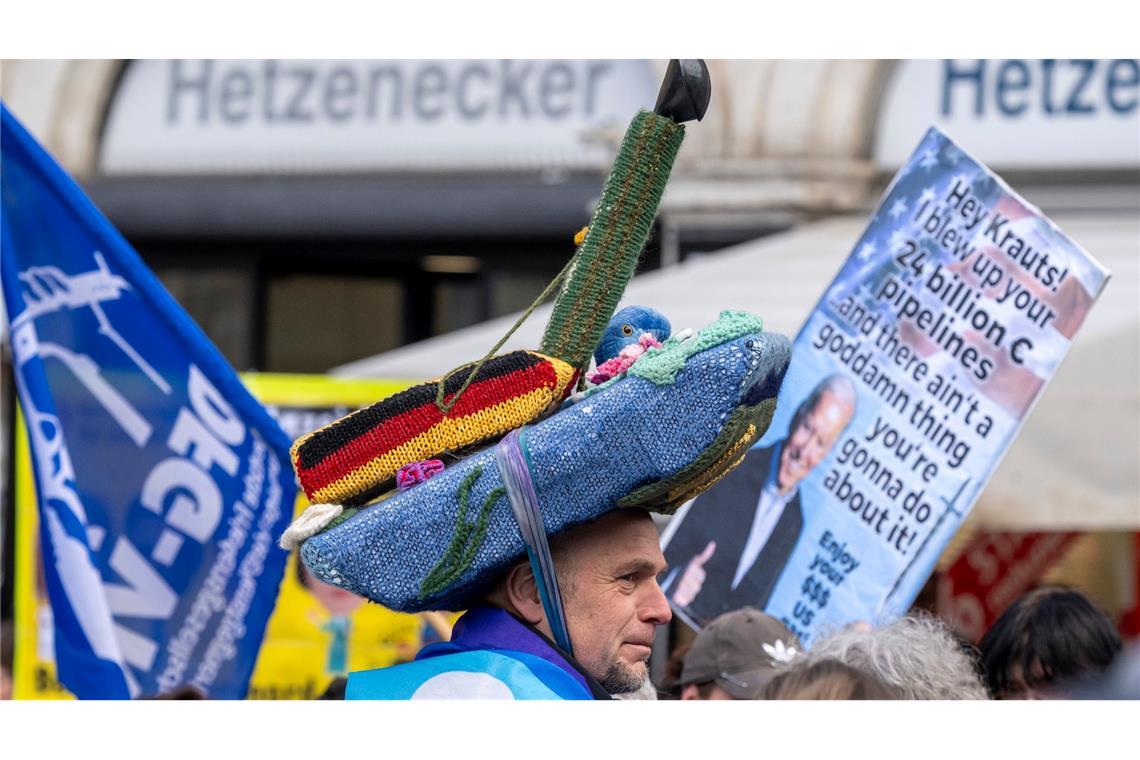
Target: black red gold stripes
(355, 459)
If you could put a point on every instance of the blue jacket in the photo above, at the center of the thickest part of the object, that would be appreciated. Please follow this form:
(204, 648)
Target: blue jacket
(491, 655)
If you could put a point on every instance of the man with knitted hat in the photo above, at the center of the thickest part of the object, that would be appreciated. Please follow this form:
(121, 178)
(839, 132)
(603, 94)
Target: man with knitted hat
(503, 647)
(497, 491)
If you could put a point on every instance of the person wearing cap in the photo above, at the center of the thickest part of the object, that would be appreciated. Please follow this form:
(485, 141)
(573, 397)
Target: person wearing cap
(736, 655)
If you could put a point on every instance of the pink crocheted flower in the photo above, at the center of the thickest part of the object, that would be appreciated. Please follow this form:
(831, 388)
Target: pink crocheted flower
(611, 368)
(417, 472)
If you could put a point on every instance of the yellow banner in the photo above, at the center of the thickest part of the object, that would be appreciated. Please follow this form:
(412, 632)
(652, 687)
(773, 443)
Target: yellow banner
(316, 632)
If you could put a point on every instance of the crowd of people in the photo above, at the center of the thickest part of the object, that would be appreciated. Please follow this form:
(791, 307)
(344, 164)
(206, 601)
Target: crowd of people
(1051, 643)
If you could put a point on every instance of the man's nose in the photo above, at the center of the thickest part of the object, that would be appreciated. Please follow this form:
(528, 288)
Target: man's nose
(655, 607)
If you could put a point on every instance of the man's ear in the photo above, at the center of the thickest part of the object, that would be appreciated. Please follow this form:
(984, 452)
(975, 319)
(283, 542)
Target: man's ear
(690, 691)
(522, 593)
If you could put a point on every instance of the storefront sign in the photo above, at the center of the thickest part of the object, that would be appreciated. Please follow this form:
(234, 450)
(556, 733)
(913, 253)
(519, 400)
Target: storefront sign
(206, 116)
(1018, 114)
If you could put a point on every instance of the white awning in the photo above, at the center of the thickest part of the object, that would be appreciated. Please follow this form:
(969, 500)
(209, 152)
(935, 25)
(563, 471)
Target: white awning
(1076, 462)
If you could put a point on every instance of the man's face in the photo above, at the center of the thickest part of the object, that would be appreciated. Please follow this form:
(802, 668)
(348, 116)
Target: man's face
(608, 579)
(811, 439)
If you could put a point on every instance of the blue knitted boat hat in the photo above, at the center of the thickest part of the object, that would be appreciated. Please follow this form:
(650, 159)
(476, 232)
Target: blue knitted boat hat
(681, 417)
(653, 435)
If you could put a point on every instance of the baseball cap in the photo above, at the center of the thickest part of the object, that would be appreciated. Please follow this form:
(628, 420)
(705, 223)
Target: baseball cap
(740, 651)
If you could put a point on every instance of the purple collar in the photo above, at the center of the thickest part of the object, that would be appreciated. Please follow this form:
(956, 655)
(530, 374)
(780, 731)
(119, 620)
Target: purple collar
(485, 627)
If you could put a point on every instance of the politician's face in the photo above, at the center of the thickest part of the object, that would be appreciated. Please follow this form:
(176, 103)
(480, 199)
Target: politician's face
(811, 439)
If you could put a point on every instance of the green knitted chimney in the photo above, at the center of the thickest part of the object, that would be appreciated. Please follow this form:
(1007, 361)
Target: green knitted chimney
(607, 258)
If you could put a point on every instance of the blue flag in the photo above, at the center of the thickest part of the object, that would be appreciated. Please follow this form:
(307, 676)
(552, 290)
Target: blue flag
(162, 483)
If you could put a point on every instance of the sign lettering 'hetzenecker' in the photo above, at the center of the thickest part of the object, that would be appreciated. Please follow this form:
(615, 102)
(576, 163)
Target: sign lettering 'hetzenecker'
(1076, 114)
(278, 92)
(907, 384)
(1082, 87)
(162, 483)
(226, 116)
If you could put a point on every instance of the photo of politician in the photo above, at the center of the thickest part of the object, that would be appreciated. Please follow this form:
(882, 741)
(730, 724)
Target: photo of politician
(733, 542)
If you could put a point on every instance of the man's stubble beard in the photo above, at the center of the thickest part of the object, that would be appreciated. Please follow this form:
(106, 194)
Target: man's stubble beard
(622, 679)
(619, 678)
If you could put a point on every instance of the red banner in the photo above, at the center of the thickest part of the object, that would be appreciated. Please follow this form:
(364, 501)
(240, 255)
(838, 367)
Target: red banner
(1130, 620)
(993, 570)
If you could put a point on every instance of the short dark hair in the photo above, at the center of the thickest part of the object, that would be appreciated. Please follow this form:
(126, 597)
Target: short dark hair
(1045, 638)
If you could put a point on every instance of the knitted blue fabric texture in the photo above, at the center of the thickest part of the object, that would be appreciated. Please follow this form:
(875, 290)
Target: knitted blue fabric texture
(583, 459)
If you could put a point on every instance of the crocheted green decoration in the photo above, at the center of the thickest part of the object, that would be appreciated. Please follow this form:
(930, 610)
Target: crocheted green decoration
(466, 541)
(742, 429)
(607, 258)
(661, 365)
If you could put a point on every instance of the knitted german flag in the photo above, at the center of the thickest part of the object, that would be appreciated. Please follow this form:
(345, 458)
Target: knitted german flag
(354, 460)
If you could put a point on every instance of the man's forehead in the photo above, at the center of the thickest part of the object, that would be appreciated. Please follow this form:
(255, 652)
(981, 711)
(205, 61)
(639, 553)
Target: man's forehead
(619, 539)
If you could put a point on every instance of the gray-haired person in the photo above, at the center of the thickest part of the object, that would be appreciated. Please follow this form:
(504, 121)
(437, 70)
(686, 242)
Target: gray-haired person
(916, 655)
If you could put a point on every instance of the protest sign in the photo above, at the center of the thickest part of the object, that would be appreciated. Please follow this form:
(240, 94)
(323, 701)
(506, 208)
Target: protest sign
(162, 483)
(312, 634)
(907, 384)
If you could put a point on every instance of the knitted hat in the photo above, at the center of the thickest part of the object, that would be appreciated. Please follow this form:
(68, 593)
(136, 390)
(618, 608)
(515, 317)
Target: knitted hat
(679, 419)
(508, 454)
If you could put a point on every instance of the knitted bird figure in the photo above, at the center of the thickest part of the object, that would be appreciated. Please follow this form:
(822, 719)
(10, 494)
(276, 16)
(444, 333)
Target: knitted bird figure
(631, 332)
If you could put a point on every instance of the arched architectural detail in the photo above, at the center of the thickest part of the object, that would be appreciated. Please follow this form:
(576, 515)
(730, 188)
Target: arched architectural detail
(79, 109)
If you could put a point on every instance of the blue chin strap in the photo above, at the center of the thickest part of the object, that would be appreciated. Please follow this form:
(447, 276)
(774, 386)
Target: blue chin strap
(514, 465)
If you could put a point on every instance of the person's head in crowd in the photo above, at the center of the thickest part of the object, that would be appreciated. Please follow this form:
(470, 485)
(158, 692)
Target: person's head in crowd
(917, 656)
(607, 575)
(671, 687)
(735, 656)
(816, 425)
(1046, 639)
(826, 679)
